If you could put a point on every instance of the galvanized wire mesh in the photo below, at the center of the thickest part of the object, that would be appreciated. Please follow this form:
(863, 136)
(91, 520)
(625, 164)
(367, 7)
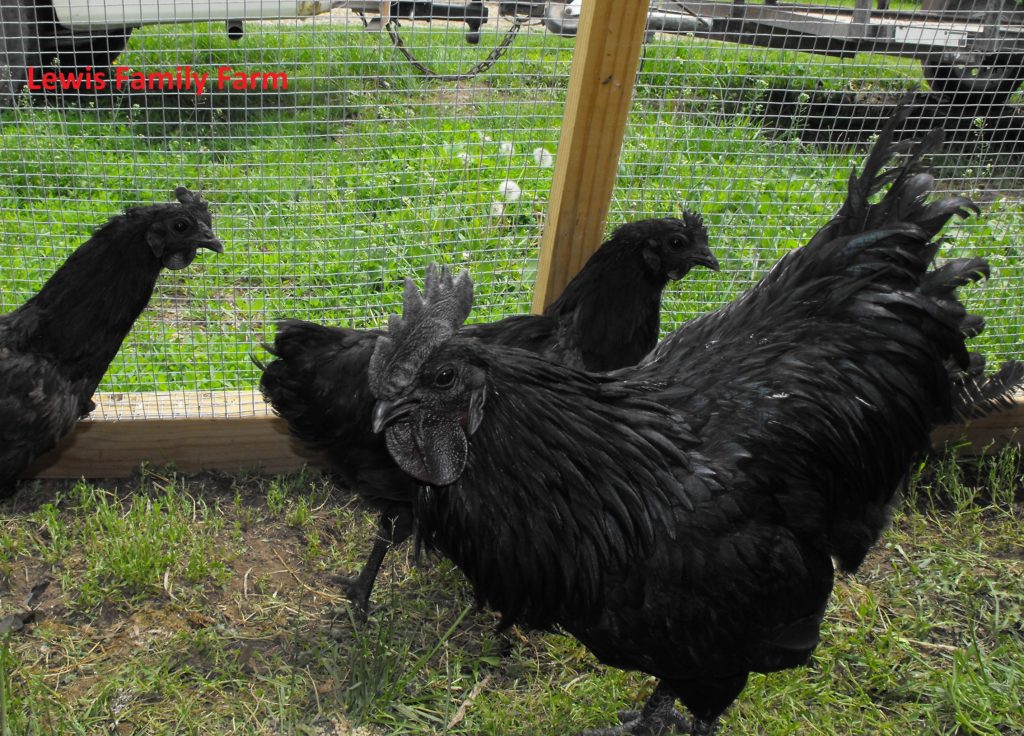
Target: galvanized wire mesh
(329, 191)
(761, 136)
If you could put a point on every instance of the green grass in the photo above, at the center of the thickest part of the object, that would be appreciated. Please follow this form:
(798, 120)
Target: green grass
(237, 627)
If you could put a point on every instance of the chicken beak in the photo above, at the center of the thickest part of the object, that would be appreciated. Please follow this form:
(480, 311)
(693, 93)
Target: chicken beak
(209, 240)
(707, 259)
(387, 411)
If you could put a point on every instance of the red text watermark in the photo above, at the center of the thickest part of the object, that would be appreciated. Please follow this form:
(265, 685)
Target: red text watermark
(179, 79)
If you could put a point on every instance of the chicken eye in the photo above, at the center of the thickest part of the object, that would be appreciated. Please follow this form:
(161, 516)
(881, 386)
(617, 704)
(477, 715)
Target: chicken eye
(444, 377)
(180, 225)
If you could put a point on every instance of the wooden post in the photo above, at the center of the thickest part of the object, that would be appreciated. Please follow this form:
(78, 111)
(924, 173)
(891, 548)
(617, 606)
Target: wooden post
(604, 66)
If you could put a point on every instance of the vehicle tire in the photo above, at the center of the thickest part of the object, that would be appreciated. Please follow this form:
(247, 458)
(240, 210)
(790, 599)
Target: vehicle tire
(976, 79)
(71, 51)
(18, 47)
(30, 36)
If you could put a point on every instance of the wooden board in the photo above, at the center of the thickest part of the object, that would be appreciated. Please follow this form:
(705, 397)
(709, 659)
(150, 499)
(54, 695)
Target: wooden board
(984, 435)
(223, 430)
(246, 436)
(600, 95)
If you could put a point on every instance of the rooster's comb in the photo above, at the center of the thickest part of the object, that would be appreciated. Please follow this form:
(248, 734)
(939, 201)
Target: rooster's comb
(188, 197)
(428, 320)
(693, 220)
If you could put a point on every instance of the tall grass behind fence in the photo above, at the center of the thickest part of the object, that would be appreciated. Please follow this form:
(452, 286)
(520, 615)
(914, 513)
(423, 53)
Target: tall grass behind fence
(325, 193)
(762, 140)
(329, 191)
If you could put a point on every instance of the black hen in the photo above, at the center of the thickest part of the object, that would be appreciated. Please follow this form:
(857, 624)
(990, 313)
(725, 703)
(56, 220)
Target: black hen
(608, 317)
(681, 517)
(55, 348)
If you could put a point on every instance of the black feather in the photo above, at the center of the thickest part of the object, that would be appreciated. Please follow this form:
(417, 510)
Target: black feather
(681, 517)
(607, 317)
(978, 395)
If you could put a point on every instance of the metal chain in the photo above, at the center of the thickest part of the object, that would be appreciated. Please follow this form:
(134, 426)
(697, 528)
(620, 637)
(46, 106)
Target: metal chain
(479, 68)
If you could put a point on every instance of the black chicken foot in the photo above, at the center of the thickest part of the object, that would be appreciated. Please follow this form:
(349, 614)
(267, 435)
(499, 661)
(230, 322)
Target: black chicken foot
(703, 728)
(357, 588)
(658, 716)
(393, 528)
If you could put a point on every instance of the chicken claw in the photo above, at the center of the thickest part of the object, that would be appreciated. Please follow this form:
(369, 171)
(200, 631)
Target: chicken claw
(658, 716)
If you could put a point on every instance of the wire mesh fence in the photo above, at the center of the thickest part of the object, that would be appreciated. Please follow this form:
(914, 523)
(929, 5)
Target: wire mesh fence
(336, 167)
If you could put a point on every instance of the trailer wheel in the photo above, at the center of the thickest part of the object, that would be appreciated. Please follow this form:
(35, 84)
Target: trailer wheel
(18, 48)
(976, 79)
(31, 36)
(70, 51)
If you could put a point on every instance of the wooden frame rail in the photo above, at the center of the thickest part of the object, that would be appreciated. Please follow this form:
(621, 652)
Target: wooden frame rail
(194, 431)
(234, 431)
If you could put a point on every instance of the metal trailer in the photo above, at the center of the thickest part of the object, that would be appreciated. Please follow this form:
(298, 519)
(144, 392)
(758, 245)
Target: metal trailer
(87, 15)
(70, 35)
(976, 57)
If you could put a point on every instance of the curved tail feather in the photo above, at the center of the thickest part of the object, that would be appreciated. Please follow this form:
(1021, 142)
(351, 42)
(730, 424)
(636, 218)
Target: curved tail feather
(977, 395)
(907, 186)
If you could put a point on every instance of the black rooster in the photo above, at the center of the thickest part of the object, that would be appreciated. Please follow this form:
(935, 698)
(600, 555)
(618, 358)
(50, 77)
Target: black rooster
(55, 348)
(607, 317)
(681, 517)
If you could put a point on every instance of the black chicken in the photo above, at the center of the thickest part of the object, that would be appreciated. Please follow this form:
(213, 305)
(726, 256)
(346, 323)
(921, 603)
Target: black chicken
(681, 517)
(55, 348)
(607, 317)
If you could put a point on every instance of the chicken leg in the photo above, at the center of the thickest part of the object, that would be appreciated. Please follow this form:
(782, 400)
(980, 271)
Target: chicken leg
(392, 530)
